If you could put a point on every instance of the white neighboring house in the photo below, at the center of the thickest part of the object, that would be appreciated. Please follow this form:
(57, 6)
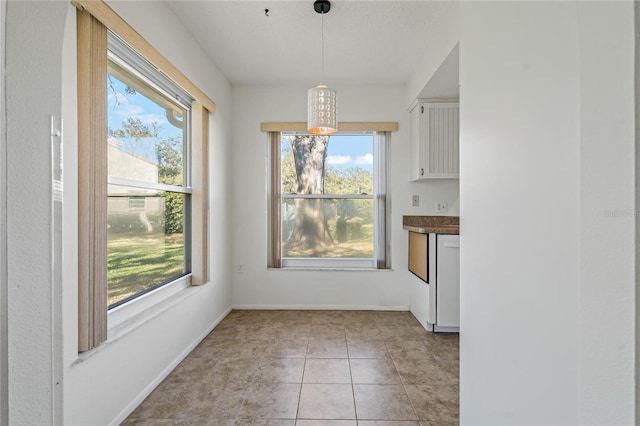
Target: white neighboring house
(132, 204)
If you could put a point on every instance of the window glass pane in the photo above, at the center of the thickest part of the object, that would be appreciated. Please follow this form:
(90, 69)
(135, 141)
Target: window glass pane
(327, 228)
(145, 240)
(147, 131)
(337, 164)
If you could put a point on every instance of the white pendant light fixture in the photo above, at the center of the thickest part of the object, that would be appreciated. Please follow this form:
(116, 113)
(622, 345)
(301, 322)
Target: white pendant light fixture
(321, 100)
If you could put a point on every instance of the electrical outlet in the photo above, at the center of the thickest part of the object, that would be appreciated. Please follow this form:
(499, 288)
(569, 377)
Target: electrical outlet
(441, 207)
(240, 268)
(415, 200)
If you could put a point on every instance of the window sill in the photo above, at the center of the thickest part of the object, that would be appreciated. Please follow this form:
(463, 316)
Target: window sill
(118, 331)
(331, 269)
(121, 314)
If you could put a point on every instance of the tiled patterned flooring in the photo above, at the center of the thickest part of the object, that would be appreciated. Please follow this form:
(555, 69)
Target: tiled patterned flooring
(311, 368)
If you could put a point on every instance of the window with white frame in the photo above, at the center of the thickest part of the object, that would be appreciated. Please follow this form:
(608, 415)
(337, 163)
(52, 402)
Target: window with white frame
(329, 200)
(148, 139)
(142, 175)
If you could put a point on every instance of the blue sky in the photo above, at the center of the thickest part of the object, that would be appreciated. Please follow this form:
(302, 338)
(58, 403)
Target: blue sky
(351, 151)
(344, 151)
(121, 105)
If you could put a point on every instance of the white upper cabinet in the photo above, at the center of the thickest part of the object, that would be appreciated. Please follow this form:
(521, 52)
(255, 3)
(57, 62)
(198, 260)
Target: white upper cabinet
(435, 140)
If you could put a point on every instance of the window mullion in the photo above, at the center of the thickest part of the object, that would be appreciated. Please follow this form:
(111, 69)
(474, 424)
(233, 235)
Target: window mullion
(330, 196)
(113, 180)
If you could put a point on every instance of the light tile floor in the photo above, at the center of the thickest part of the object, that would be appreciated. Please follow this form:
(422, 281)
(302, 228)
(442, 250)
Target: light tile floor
(311, 368)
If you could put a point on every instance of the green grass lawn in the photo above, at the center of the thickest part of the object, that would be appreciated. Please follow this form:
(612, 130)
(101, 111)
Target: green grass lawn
(140, 261)
(358, 245)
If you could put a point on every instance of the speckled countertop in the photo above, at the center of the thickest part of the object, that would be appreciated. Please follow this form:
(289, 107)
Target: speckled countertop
(432, 224)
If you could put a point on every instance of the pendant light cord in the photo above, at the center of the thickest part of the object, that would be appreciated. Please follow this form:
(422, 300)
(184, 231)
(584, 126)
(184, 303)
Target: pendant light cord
(322, 37)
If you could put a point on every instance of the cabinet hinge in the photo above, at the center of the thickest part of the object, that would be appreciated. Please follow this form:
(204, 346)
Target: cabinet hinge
(421, 109)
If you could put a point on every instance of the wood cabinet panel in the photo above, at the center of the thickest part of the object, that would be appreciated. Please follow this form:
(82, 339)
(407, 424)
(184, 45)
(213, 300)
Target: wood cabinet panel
(418, 255)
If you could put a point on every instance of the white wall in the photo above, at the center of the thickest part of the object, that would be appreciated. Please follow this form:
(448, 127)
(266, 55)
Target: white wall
(442, 41)
(547, 148)
(607, 215)
(33, 92)
(257, 286)
(106, 385)
(4, 407)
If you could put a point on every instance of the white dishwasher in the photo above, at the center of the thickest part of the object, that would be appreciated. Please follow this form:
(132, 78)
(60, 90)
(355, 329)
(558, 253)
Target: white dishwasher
(444, 288)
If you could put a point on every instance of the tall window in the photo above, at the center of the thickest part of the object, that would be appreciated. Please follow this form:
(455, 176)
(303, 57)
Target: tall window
(142, 174)
(329, 200)
(149, 187)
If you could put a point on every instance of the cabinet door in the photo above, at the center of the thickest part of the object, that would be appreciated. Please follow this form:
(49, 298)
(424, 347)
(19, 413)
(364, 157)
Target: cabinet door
(415, 143)
(441, 140)
(448, 281)
(418, 255)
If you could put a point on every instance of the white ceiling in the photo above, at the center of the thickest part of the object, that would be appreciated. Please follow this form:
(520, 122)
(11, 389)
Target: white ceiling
(366, 42)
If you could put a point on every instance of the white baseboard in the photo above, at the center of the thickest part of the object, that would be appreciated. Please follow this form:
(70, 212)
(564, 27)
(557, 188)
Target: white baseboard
(163, 375)
(322, 307)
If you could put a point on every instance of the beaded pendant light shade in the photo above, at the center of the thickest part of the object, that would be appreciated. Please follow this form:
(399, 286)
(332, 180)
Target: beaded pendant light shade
(321, 100)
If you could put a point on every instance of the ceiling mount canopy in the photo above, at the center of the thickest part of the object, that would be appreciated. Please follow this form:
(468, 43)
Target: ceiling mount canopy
(322, 6)
(321, 100)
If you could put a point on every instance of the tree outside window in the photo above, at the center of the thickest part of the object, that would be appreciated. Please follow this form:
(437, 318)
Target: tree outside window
(327, 186)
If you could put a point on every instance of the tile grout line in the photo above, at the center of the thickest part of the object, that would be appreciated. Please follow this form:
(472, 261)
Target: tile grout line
(353, 391)
(413, 407)
(304, 369)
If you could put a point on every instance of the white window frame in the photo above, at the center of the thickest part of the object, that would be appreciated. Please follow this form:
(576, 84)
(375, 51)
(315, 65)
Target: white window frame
(381, 257)
(94, 18)
(130, 61)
